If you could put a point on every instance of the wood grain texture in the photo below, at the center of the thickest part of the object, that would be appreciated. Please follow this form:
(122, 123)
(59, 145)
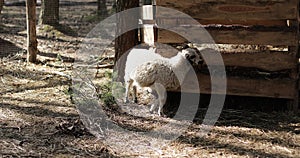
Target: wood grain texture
(31, 31)
(278, 26)
(231, 9)
(230, 36)
(270, 61)
(125, 41)
(277, 88)
(243, 22)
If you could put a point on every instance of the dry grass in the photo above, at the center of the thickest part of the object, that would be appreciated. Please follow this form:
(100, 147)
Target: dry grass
(38, 118)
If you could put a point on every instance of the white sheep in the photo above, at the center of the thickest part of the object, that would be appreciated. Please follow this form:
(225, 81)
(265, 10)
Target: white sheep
(161, 75)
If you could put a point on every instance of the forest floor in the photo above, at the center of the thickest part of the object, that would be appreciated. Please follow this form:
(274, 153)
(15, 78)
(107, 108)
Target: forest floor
(39, 119)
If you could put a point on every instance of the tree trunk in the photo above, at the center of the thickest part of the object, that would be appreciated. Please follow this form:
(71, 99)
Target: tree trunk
(49, 12)
(31, 30)
(1, 5)
(102, 8)
(128, 40)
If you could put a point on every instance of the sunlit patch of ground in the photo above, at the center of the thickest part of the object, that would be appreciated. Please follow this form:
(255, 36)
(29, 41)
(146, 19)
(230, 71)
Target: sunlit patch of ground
(38, 118)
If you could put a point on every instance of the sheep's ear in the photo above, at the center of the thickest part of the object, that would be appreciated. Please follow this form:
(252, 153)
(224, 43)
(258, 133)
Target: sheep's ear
(200, 62)
(185, 46)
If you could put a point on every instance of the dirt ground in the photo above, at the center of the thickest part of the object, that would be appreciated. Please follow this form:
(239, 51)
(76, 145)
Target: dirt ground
(39, 119)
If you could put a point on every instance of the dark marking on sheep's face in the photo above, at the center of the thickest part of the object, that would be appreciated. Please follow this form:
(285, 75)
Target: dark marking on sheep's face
(192, 56)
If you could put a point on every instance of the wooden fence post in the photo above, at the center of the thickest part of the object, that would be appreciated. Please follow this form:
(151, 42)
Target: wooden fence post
(127, 40)
(31, 30)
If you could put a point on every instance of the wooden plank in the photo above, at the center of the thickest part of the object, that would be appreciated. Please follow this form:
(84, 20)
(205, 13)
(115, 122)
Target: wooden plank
(295, 75)
(230, 36)
(294, 52)
(295, 72)
(231, 9)
(147, 12)
(277, 88)
(148, 35)
(264, 60)
(165, 36)
(183, 21)
(245, 22)
(268, 61)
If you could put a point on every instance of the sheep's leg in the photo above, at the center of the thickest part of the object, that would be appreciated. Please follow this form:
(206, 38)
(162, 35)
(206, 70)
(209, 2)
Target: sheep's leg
(154, 105)
(155, 102)
(162, 97)
(129, 84)
(134, 94)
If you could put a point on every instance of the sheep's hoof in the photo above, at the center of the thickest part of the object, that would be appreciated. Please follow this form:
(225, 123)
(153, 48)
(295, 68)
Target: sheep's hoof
(151, 110)
(162, 115)
(135, 100)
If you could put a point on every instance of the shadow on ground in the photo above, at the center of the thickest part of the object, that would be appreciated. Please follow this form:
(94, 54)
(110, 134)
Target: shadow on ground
(8, 49)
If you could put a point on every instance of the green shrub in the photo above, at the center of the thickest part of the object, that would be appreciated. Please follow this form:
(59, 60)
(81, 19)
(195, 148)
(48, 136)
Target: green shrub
(108, 99)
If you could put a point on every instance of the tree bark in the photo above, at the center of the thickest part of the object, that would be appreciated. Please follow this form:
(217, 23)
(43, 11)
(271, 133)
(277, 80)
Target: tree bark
(49, 12)
(1, 5)
(127, 40)
(31, 30)
(102, 8)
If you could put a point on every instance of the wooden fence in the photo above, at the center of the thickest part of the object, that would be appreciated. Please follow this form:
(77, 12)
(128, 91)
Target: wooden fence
(269, 24)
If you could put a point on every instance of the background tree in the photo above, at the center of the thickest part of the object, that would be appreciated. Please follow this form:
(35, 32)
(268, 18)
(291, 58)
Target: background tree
(31, 30)
(102, 8)
(128, 40)
(1, 5)
(49, 12)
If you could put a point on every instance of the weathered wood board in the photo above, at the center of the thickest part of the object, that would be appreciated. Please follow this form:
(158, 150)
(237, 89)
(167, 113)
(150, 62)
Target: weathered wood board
(175, 21)
(230, 36)
(281, 88)
(231, 9)
(245, 22)
(270, 61)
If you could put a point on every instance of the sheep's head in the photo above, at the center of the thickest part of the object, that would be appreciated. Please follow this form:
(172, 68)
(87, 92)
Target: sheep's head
(193, 56)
